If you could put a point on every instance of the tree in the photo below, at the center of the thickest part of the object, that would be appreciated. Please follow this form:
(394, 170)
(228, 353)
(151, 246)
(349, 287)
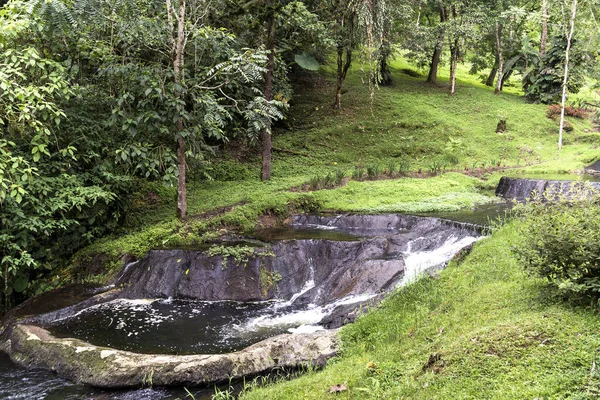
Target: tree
(437, 52)
(354, 22)
(43, 196)
(566, 74)
(289, 32)
(544, 34)
(179, 81)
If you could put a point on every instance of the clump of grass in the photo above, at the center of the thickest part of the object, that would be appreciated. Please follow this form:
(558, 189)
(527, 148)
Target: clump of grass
(314, 182)
(436, 167)
(330, 180)
(373, 171)
(403, 167)
(339, 175)
(358, 173)
(391, 168)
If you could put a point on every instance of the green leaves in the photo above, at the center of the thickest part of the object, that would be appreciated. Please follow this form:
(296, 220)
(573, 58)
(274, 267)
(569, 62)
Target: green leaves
(561, 242)
(307, 61)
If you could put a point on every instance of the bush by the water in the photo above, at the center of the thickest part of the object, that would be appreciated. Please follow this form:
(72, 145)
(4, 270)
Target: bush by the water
(561, 242)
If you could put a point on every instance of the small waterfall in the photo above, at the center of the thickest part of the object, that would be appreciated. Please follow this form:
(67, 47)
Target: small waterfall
(307, 286)
(206, 308)
(416, 263)
(126, 269)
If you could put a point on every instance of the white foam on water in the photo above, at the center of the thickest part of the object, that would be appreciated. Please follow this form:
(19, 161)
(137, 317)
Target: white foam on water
(353, 299)
(307, 286)
(415, 264)
(318, 226)
(309, 316)
(306, 329)
(312, 315)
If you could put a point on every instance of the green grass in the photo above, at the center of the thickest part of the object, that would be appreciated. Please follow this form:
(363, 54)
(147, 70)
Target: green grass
(489, 330)
(421, 123)
(409, 124)
(447, 192)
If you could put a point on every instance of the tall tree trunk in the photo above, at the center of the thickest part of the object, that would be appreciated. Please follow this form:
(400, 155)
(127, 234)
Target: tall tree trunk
(544, 37)
(181, 164)
(435, 62)
(384, 68)
(494, 71)
(342, 69)
(453, 65)
(178, 52)
(437, 52)
(265, 135)
(566, 76)
(500, 61)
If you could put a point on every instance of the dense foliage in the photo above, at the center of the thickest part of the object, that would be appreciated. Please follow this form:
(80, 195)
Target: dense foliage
(543, 81)
(98, 97)
(561, 242)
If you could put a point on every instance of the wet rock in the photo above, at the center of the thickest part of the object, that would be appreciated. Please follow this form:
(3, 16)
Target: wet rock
(311, 271)
(81, 362)
(544, 190)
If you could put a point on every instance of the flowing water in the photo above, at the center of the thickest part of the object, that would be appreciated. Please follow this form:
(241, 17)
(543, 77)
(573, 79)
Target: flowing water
(159, 326)
(176, 326)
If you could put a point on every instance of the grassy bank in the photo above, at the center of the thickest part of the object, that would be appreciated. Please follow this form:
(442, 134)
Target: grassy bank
(481, 330)
(411, 126)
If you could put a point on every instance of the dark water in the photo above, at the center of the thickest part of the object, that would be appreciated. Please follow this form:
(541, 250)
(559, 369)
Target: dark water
(180, 326)
(21, 384)
(484, 214)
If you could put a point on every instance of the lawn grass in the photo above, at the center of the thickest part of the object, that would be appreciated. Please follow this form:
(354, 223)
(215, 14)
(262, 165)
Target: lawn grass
(412, 123)
(482, 329)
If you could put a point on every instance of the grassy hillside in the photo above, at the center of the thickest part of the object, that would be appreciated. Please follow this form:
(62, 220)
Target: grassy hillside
(410, 126)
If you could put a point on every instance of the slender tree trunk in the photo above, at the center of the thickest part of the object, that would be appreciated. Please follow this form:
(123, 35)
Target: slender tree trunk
(566, 76)
(437, 52)
(384, 69)
(490, 79)
(178, 52)
(453, 65)
(342, 69)
(265, 135)
(500, 61)
(544, 37)
(181, 164)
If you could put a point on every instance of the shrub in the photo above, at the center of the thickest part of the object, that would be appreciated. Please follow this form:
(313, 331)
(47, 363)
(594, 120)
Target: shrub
(561, 242)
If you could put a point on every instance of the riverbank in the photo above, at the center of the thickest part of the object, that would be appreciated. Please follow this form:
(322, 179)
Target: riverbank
(481, 329)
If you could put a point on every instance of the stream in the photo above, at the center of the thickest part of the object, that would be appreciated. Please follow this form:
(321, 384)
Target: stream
(189, 326)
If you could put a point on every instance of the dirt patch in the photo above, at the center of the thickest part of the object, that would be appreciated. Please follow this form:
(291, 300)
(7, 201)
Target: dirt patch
(435, 363)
